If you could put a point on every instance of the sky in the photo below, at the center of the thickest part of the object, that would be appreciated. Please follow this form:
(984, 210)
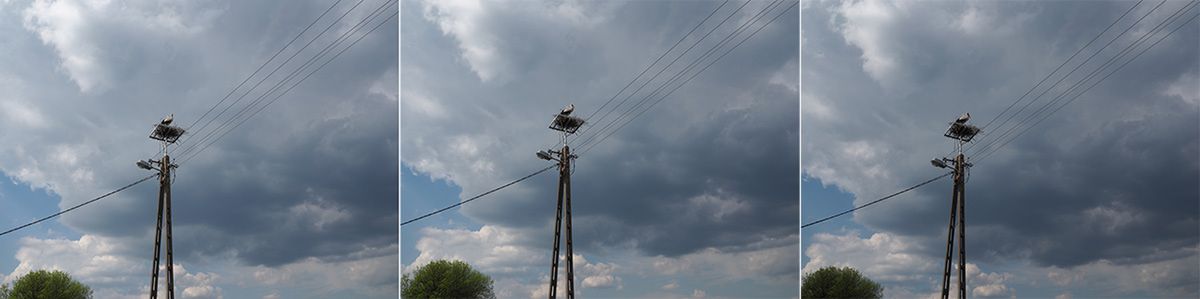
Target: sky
(1097, 200)
(299, 201)
(685, 187)
(696, 197)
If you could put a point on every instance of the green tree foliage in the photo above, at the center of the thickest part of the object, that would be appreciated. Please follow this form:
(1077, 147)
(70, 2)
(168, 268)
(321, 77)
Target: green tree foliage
(42, 284)
(446, 279)
(834, 282)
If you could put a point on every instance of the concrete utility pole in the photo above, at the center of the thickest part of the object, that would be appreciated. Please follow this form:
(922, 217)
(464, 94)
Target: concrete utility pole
(167, 134)
(962, 132)
(567, 125)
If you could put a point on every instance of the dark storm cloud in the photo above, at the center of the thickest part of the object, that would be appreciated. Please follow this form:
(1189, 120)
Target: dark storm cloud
(1110, 177)
(313, 175)
(713, 165)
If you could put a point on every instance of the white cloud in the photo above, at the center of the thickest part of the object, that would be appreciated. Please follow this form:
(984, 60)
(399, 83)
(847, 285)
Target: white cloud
(1175, 277)
(1112, 217)
(866, 25)
(987, 284)
(490, 249)
(386, 86)
(370, 271)
(718, 206)
(18, 113)
(198, 285)
(787, 76)
(882, 256)
(817, 108)
(671, 286)
(464, 20)
(860, 166)
(598, 275)
(494, 127)
(72, 28)
(91, 259)
(99, 262)
(896, 263)
(769, 264)
(424, 105)
(1186, 88)
(317, 213)
(497, 252)
(485, 50)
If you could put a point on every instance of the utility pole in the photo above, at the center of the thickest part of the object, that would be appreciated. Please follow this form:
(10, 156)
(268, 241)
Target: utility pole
(167, 134)
(567, 124)
(963, 133)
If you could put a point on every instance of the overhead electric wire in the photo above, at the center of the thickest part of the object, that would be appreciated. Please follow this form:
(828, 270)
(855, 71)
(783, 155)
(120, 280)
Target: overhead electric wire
(196, 132)
(79, 205)
(1060, 80)
(877, 200)
(689, 67)
(591, 138)
(209, 134)
(1112, 60)
(296, 83)
(480, 195)
(356, 28)
(689, 79)
(660, 71)
(1072, 99)
(297, 71)
(264, 64)
(1064, 63)
(660, 57)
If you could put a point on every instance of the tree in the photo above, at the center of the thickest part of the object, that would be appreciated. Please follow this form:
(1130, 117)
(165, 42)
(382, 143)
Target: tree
(446, 279)
(46, 284)
(834, 282)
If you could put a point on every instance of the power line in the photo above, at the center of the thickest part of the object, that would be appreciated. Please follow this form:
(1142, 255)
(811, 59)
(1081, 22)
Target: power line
(1111, 61)
(222, 125)
(356, 28)
(1072, 99)
(1064, 63)
(592, 138)
(1060, 80)
(877, 200)
(298, 71)
(247, 79)
(689, 79)
(260, 67)
(660, 57)
(660, 71)
(624, 116)
(480, 195)
(79, 205)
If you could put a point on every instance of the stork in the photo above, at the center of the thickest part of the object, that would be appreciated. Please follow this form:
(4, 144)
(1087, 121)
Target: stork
(963, 119)
(567, 111)
(168, 119)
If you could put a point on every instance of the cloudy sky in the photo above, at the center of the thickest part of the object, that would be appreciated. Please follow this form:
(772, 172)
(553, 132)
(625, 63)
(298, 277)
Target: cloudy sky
(1097, 200)
(297, 202)
(697, 197)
